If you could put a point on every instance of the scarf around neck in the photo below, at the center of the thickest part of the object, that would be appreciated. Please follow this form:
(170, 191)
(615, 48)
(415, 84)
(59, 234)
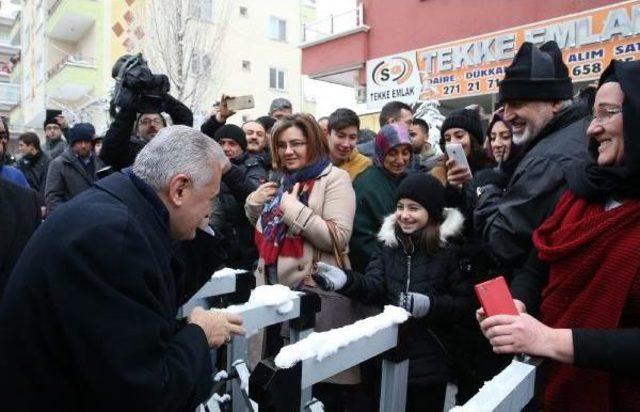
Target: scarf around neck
(593, 263)
(273, 241)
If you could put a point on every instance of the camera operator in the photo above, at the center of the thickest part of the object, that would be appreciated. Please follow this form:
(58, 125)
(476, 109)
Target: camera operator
(140, 97)
(131, 131)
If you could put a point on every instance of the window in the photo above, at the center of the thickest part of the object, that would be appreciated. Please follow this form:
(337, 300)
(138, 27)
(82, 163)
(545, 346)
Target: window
(277, 29)
(244, 12)
(201, 9)
(276, 79)
(246, 65)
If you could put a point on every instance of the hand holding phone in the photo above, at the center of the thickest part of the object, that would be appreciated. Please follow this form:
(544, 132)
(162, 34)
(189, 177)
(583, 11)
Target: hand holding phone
(455, 151)
(240, 102)
(495, 298)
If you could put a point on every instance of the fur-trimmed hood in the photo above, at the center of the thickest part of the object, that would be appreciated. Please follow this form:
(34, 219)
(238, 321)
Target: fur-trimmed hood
(452, 226)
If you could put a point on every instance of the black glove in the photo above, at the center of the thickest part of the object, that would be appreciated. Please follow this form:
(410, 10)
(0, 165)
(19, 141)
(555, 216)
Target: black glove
(491, 177)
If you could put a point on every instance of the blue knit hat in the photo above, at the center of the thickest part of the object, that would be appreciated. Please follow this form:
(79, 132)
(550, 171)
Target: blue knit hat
(81, 132)
(390, 136)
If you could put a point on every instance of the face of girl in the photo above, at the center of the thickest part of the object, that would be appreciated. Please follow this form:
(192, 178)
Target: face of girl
(411, 216)
(500, 140)
(292, 149)
(457, 135)
(397, 160)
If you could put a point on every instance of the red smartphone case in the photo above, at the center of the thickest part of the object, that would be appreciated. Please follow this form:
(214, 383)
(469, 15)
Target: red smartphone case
(495, 298)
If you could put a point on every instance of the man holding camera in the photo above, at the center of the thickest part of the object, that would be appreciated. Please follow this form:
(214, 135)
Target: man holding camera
(130, 131)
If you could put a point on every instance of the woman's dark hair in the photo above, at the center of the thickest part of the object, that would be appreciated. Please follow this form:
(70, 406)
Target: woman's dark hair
(431, 236)
(317, 146)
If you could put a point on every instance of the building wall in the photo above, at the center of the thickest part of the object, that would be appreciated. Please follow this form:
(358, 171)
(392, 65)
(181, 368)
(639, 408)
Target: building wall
(246, 38)
(422, 23)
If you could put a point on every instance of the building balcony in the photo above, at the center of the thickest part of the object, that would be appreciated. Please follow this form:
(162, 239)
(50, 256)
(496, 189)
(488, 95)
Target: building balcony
(72, 77)
(334, 26)
(9, 96)
(69, 20)
(334, 49)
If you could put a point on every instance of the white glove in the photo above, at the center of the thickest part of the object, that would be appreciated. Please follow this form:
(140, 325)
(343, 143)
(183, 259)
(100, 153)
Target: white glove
(415, 303)
(329, 277)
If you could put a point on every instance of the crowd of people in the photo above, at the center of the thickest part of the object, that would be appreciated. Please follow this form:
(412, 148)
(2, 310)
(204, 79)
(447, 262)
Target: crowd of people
(104, 238)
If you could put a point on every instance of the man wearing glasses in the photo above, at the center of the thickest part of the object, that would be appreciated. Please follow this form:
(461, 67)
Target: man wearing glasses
(550, 131)
(54, 125)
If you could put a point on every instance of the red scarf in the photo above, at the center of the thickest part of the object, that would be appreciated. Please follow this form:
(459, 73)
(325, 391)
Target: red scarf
(594, 259)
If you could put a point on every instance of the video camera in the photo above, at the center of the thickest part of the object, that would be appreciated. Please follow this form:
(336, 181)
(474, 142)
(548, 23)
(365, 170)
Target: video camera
(137, 89)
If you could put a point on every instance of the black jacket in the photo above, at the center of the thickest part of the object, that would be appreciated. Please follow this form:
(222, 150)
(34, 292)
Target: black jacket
(19, 218)
(88, 321)
(229, 219)
(394, 269)
(67, 177)
(35, 170)
(121, 146)
(507, 218)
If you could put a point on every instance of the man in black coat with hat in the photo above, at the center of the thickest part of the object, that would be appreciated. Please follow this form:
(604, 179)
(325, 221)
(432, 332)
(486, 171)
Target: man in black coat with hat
(94, 328)
(536, 94)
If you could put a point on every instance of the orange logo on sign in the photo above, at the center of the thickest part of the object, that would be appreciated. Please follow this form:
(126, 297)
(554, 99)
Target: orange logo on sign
(398, 70)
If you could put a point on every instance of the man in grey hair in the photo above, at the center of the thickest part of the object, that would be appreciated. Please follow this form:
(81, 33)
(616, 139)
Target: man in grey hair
(88, 318)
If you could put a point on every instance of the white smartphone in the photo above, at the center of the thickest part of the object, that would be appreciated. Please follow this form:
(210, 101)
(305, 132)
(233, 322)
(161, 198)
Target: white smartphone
(240, 102)
(456, 152)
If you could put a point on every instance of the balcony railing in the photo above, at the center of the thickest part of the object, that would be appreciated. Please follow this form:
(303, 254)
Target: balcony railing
(73, 60)
(9, 93)
(335, 24)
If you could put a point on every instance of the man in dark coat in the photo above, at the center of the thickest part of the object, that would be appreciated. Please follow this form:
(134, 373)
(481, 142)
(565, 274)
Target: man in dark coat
(130, 132)
(536, 93)
(34, 163)
(228, 217)
(94, 328)
(55, 126)
(19, 218)
(75, 170)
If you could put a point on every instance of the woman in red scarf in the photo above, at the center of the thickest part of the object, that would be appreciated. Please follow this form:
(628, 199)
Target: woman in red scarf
(305, 218)
(584, 281)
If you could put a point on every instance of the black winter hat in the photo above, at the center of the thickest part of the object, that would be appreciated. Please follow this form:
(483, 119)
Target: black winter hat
(466, 119)
(233, 132)
(425, 190)
(50, 117)
(536, 74)
(81, 132)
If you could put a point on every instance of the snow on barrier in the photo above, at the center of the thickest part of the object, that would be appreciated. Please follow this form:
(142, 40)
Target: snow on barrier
(284, 384)
(268, 305)
(510, 390)
(234, 284)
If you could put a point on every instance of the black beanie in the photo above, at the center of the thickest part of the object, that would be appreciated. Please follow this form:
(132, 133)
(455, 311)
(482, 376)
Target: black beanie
(81, 132)
(425, 190)
(50, 117)
(233, 132)
(466, 119)
(536, 74)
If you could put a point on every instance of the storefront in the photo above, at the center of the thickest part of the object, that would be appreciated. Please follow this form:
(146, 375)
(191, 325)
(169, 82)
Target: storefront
(468, 71)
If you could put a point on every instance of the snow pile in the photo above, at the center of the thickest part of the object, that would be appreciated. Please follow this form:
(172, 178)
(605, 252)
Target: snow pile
(221, 399)
(323, 344)
(497, 389)
(269, 295)
(227, 272)
(220, 376)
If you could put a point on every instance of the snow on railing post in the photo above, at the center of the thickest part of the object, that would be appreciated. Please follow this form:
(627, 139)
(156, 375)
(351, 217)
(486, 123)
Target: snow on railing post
(268, 305)
(510, 390)
(279, 384)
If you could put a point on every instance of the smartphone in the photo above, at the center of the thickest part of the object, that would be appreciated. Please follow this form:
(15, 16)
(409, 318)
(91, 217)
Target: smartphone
(495, 298)
(456, 152)
(240, 102)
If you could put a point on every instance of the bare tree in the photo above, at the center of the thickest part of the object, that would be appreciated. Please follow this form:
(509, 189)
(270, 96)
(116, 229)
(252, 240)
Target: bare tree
(183, 39)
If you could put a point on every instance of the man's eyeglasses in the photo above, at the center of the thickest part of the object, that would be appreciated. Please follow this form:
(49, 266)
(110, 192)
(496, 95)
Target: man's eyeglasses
(604, 115)
(295, 145)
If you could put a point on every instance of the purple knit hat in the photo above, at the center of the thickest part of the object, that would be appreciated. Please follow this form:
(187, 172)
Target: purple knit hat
(390, 136)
